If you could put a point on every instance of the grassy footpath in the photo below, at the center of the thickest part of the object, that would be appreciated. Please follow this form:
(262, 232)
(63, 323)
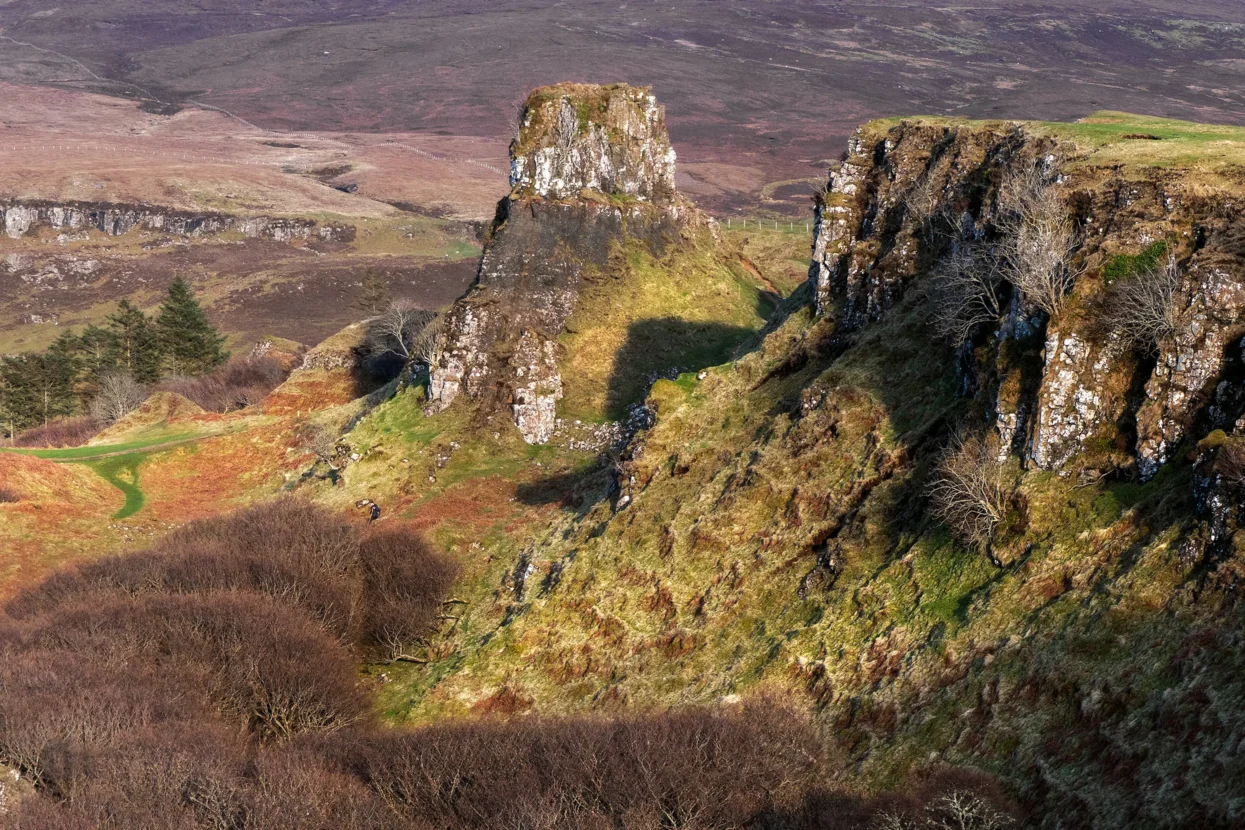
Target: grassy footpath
(121, 471)
(116, 463)
(109, 450)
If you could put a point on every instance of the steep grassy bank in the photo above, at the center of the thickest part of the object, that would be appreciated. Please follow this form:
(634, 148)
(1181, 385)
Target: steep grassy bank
(772, 533)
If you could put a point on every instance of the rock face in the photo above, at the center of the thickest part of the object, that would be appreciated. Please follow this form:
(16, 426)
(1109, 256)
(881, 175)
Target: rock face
(1067, 391)
(582, 185)
(876, 220)
(1191, 362)
(608, 139)
(18, 219)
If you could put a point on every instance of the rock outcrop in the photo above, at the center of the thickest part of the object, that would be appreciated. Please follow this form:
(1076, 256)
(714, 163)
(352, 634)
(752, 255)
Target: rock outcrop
(592, 168)
(21, 218)
(1191, 362)
(610, 140)
(1063, 391)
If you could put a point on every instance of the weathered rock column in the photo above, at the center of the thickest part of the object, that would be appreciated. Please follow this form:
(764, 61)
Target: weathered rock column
(590, 164)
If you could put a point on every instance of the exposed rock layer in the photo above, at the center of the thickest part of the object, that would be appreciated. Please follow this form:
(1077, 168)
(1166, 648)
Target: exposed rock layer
(21, 218)
(903, 198)
(609, 140)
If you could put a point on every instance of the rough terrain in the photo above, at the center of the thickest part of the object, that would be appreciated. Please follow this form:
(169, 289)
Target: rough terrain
(769, 528)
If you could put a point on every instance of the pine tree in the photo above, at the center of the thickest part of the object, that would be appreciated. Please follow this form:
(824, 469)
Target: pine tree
(191, 345)
(38, 388)
(373, 296)
(137, 342)
(57, 383)
(96, 352)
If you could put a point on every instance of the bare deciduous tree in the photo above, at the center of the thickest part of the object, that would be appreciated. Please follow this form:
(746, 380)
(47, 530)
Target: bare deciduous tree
(405, 331)
(970, 491)
(321, 442)
(119, 395)
(1145, 308)
(957, 810)
(964, 291)
(923, 202)
(960, 810)
(1038, 239)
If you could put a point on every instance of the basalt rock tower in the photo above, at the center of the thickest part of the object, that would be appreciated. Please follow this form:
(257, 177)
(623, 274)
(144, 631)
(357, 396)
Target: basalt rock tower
(591, 169)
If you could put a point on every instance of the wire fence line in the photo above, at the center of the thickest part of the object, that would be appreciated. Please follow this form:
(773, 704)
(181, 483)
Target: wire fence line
(763, 224)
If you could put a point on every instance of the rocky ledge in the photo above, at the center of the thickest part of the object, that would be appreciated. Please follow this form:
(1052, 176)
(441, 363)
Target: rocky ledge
(21, 218)
(1069, 387)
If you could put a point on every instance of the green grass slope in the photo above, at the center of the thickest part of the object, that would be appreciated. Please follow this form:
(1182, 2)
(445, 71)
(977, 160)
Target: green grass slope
(775, 537)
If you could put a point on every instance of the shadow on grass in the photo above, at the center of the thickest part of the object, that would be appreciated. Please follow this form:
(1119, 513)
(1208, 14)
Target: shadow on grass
(667, 347)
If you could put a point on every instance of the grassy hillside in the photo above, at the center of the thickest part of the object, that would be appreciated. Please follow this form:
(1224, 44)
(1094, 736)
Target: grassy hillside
(771, 534)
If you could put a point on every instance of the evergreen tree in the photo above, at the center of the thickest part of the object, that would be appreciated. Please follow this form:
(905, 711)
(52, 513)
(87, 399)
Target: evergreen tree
(137, 343)
(96, 352)
(190, 344)
(57, 384)
(8, 400)
(373, 297)
(38, 388)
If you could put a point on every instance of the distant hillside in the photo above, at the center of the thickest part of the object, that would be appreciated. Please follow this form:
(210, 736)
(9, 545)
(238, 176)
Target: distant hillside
(761, 93)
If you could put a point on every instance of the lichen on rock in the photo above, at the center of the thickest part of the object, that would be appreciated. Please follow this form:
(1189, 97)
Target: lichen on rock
(607, 139)
(1191, 362)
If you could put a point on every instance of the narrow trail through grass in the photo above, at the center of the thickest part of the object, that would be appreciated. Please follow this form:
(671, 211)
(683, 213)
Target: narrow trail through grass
(116, 463)
(121, 471)
(109, 450)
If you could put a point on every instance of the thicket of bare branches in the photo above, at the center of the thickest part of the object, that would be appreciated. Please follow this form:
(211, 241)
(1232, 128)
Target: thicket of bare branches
(210, 682)
(63, 432)
(1145, 307)
(404, 331)
(956, 810)
(965, 290)
(119, 395)
(970, 491)
(1037, 238)
(406, 594)
(239, 383)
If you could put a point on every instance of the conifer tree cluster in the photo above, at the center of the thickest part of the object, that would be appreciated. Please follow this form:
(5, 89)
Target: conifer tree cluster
(39, 387)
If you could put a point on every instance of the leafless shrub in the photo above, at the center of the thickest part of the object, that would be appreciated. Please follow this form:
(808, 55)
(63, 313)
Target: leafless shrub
(8, 496)
(1145, 307)
(322, 442)
(241, 382)
(293, 787)
(964, 291)
(1230, 464)
(923, 202)
(287, 549)
(64, 432)
(691, 769)
(969, 491)
(959, 810)
(405, 331)
(1038, 239)
(405, 585)
(119, 395)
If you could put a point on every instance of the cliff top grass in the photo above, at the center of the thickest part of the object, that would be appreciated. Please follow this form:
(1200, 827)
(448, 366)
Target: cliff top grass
(592, 102)
(1208, 153)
